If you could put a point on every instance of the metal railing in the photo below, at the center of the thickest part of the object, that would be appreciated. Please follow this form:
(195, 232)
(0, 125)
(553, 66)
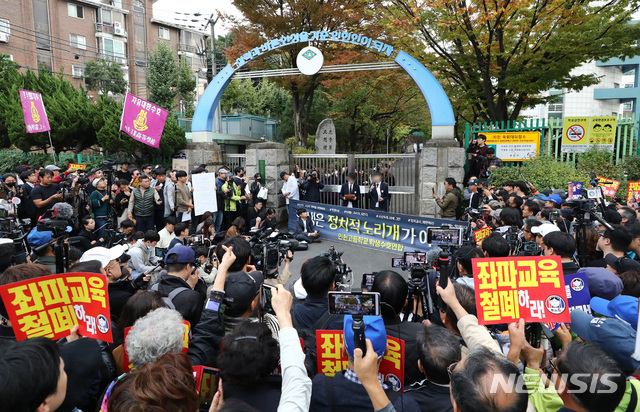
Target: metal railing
(187, 48)
(625, 144)
(235, 160)
(399, 172)
(104, 28)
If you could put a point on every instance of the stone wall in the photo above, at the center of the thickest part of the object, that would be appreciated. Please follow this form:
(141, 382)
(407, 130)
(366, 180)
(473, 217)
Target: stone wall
(208, 153)
(277, 159)
(439, 159)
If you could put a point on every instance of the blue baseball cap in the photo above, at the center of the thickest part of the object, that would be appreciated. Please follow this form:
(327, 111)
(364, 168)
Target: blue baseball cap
(621, 307)
(38, 238)
(184, 255)
(554, 198)
(374, 330)
(602, 282)
(616, 337)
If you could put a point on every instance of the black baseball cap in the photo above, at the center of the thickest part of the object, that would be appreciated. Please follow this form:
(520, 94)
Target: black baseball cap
(241, 289)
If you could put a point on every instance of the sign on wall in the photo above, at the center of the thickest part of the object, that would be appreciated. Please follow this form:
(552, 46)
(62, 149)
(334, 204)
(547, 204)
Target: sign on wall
(514, 146)
(581, 133)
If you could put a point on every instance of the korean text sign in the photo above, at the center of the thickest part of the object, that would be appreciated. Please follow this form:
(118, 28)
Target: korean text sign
(514, 146)
(374, 229)
(531, 288)
(329, 345)
(578, 295)
(35, 117)
(634, 189)
(609, 186)
(480, 234)
(51, 305)
(143, 120)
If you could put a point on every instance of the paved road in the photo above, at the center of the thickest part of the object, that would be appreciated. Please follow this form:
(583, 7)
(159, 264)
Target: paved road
(359, 259)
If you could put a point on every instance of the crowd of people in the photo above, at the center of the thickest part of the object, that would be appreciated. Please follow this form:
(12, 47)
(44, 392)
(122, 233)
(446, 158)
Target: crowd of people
(451, 362)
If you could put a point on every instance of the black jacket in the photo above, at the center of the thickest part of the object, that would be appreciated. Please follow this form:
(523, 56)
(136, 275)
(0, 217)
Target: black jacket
(312, 190)
(189, 302)
(264, 396)
(220, 195)
(300, 226)
(384, 193)
(408, 332)
(344, 190)
(207, 336)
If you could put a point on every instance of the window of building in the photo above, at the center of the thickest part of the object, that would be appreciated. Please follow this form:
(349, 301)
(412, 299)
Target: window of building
(76, 11)
(628, 86)
(79, 42)
(164, 33)
(616, 85)
(43, 59)
(188, 59)
(113, 49)
(5, 27)
(105, 16)
(627, 107)
(41, 24)
(76, 71)
(556, 103)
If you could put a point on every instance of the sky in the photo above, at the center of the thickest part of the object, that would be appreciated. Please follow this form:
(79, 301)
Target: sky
(173, 10)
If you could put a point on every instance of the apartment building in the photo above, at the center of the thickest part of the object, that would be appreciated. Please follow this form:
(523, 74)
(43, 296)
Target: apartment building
(64, 35)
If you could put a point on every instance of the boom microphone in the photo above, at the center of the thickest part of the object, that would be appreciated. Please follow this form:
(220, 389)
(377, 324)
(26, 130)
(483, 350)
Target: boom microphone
(64, 211)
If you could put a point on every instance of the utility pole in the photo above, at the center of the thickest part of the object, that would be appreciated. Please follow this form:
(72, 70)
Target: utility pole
(217, 122)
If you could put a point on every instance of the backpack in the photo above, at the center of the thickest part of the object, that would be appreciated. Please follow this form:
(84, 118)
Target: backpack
(168, 300)
(308, 336)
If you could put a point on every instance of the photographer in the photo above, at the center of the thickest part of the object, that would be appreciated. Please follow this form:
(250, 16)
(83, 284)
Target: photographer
(393, 290)
(46, 194)
(478, 151)
(208, 266)
(448, 204)
(121, 203)
(89, 236)
(312, 187)
(475, 200)
(124, 173)
(181, 231)
(255, 188)
(180, 286)
(495, 245)
(143, 255)
(345, 391)
(41, 243)
(464, 257)
(614, 241)
(101, 205)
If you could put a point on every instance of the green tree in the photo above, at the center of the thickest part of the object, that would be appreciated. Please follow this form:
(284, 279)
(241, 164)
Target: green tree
(186, 87)
(105, 77)
(69, 111)
(496, 58)
(162, 76)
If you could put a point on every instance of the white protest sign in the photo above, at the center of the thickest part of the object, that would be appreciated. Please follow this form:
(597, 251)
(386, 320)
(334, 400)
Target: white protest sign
(204, 193)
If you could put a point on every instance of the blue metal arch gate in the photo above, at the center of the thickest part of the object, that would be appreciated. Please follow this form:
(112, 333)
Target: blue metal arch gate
(442, 119)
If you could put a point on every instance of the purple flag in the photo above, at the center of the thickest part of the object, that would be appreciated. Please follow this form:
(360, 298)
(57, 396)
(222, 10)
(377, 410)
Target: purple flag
(35, 117)
(143, 120)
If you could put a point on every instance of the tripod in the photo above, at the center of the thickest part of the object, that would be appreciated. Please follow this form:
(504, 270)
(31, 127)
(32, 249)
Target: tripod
(419, 296)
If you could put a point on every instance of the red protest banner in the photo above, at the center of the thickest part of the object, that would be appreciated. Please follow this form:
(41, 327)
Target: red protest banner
(633, 190)
(126, 363)
(480, 234)
(329, 345)
(527, 287)
(50, 306)
(77, 166)
(609, 186)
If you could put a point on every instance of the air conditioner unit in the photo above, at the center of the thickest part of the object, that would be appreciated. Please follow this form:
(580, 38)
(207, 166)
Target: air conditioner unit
(4, 37)
(118, 29)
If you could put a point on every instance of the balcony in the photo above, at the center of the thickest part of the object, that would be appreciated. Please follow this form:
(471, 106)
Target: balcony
(187, 48)
(113, 58)
(104, 28)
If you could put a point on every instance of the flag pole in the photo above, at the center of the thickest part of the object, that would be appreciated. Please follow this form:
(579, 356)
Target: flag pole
(53, 152)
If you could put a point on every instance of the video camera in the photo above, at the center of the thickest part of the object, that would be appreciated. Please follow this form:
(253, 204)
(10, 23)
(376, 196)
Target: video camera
(16, 230)
(268, 250)
(344, 274)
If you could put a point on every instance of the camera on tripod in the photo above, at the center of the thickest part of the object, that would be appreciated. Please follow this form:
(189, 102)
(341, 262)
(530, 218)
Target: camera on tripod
(344, 274)
(268, 250)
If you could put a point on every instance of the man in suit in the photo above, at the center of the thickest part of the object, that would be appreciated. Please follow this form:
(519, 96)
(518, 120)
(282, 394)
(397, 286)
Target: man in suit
(379, 194)
(350, 192)
(305, 229)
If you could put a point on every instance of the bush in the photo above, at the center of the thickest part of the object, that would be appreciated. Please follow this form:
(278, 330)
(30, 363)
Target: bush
(600, 162)
(544, 172)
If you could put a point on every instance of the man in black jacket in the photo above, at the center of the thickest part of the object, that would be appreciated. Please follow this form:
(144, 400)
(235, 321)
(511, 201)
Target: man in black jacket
(379, 194)
(305, 229)
(350, 192)
(393, 290)
(218, 216)
(312, 187)
(181, 287)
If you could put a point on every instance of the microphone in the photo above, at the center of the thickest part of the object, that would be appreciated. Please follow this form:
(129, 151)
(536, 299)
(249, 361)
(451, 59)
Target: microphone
(64, 211)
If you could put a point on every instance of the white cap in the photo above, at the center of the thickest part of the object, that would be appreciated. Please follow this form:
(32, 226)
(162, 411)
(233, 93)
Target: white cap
(544, 229)
(103, 254)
